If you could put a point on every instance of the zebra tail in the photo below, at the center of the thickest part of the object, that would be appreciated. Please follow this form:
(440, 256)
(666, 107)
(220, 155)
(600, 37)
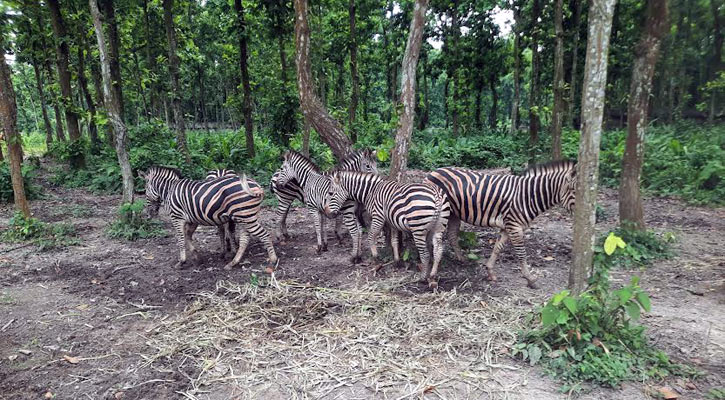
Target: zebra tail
(441, 204)
(256, 192)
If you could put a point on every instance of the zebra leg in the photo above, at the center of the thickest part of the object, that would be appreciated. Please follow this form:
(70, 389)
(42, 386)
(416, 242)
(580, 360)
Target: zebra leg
(454, 226)
(395, 245)
(282, 211)
(243, 242)
(437, 240)
(376, 225)
(189, 230)
(500, 243)
(517, 240)
(355, 233)
(319, 230)
(338, 229)
(421, 243)
(231, 235)
(221, 231)
(257, 230)
(180, 227)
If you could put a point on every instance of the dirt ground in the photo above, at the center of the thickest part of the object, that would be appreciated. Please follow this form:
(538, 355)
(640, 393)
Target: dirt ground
(114, 319)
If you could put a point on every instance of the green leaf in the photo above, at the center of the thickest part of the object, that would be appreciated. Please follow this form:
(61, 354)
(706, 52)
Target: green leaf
(534, 355)
(612, 242)
(643, 300)
(563, 317)
(406, 255)
(633, 310)
(559, 297)
(570, 304)
(473, 256)
(549, 315)
(624, 295)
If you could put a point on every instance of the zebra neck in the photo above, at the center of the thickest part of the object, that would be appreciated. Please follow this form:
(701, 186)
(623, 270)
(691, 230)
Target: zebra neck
(304, 176)
(541, 193)
(361, 186)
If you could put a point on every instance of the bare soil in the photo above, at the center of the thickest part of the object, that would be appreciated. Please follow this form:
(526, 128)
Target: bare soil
(114, 319)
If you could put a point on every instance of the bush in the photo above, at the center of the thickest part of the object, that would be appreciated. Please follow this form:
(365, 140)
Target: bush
(642, 248)
(32, 191)
(594, 336)
(45, 236)
(131, 225)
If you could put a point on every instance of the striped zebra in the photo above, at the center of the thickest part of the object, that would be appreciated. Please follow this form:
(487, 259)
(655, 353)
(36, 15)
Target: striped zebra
(212, 202)
(507, 202)
(418, 208)
(227, 235)
(300, 172)
(359, 160)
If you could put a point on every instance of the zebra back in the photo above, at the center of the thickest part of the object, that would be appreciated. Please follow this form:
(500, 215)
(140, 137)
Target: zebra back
(218, 173)
(364, 160)
(551, 167)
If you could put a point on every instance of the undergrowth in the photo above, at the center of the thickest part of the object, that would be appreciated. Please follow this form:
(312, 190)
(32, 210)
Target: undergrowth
(594, 336)
(45, 236)
(131, 224)
(32, 191)
(643, 247)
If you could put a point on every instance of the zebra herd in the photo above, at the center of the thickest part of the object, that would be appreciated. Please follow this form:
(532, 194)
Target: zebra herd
(425, 210)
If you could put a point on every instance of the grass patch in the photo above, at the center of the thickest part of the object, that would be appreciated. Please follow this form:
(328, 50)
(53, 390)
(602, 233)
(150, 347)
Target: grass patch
(45, 236)
(131, 224)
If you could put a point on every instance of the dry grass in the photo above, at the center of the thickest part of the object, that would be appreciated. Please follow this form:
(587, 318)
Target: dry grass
(289, 340)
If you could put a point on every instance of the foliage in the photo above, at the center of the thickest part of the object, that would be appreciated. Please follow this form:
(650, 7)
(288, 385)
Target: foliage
(33, 231)
(716, 394)
(685, 160)
(131, 224)
(32, 191)
(642, 247)
(594, 336)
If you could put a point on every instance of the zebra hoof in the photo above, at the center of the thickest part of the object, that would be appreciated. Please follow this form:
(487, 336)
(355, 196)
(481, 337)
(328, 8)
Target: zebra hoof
(322, 249)
(269, 270)
(492, 278)
(432, 283)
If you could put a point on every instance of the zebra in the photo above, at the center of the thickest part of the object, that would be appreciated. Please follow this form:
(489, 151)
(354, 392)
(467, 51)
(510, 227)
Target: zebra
(314, 185)
(214, 202)
(418, 208)
(359, 160)
(507, 202)
(227, 235)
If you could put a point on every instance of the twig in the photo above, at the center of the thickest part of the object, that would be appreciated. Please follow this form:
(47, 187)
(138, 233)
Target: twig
(7, 325)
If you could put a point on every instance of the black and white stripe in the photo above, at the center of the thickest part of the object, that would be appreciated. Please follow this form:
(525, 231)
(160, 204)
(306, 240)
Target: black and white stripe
(507, 202)
(212, 202)
(418, 208)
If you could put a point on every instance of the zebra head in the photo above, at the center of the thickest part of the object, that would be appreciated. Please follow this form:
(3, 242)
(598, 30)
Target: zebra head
(567, 193)
(286, 172)
(564, 174)
(335, 196)
(218, 173)
(158, 180)
(360, 160)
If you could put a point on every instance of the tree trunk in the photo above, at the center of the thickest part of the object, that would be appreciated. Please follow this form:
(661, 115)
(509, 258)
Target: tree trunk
(645, 61)
(41, 93)
(716, 63)
(77, 160)
(114, 45)
(494, 103)
(175, 86)
(113, 106)
(151, 60)
(477, 107)
(306, 139)
(83, 83)
(8, 126)
(517, 69)
(406, 121)
(594, 86)
(574, 63)
(557, 116)
(455, 36)
(59, 131)
(329, 129)
(355, 95)
(534, 89)
(282, 58)
(246, 87)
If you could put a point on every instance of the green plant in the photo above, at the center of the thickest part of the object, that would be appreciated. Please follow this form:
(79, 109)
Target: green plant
(45, 236)
(594, 336)
(131, 224)
(716, 394)
(642, 248)
(32, 191)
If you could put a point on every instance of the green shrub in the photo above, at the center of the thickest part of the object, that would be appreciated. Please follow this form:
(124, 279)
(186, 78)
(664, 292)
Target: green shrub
(45, 236)
(594, 336)
(642, 248)
(32, 191)
(131, 224)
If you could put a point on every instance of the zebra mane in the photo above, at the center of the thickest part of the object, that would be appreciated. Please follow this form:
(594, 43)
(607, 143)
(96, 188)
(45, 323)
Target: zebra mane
(351, 157)
(549, 168)
(293, 155)
(158, 170)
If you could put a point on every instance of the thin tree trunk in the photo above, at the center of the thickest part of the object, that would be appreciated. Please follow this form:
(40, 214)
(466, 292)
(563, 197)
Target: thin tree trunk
(282, 59)
(41, 93)
(83, 83)
(557, 116)
(246, 87)
(716, 63)
(139, 85)
(306, 139)
(595, 82)
(494, 103)
(151, 60)
(517, 69)
(59, 131)
(329, 129)
(534, 89)
(175, 86)
(477, 107)
(77, 160)
(573, 91)
(114, 44)
(8, 125)
(406, 121)
(453, 45)
(113, 106)
(646, 53)
(355, 95)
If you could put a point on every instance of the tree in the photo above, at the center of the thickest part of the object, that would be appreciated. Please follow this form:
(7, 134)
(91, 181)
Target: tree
(517, 69)
(574, 61)
(716, 63)
(534, 87)
(175, 86)
(77, 159)
(83, 83)
(406, 122)
(114, 43)
(328, 128)
(557, 116)
(355, 95)
(246, 87)
(8, 124)
(646, 54)
(595, 82)
(113, 105)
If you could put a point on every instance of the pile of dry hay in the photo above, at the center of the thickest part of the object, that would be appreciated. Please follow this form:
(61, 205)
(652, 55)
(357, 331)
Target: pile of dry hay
(289, 340)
